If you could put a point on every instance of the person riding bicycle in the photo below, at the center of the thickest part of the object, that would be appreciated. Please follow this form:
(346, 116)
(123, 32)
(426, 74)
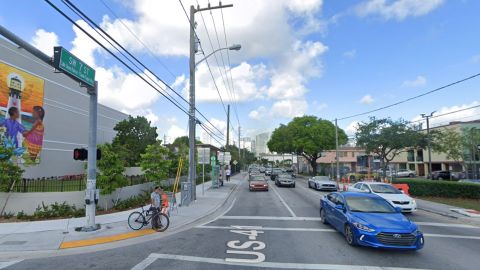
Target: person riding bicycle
(156, 201)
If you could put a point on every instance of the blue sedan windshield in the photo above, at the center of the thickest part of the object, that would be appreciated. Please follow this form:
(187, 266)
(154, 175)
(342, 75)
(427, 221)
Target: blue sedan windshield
(369, 205)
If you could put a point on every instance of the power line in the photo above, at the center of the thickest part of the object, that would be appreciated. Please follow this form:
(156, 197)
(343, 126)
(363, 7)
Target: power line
(95, 26)
(111, 53)
(412, 98)
(138, 39)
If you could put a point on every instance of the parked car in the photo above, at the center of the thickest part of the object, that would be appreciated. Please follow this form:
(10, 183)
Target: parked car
(390, 193)
(405, 173)
(441, 175)
(285, 180)
(268, 172)
(275, 173)
(258, 183)
(322, 183)
(367, 219)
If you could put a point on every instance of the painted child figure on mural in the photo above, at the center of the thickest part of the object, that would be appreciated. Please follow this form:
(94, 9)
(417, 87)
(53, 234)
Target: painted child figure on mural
(34, 137)
(14, 128)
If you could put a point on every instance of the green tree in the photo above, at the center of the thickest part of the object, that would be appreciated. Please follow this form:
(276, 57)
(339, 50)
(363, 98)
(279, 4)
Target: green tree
(307, 136)
(9, 171)
(156, 162)
(449, 142)
(133, 137)
(111, 169)
(388, 138)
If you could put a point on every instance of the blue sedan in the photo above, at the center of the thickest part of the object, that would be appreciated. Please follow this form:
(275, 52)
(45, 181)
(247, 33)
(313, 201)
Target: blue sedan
(369, 220)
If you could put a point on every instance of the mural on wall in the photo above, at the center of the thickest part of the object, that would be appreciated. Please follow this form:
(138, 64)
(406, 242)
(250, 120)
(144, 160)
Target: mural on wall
(21, 113)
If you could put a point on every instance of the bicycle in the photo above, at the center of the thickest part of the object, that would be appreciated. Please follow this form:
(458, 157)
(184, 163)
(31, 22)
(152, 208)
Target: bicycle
(138, 220)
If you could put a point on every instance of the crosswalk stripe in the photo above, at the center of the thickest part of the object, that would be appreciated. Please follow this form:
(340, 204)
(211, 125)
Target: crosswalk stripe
(4, 265)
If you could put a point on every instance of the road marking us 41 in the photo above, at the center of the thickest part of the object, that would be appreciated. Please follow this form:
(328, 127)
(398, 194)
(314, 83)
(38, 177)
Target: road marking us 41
(251, 247)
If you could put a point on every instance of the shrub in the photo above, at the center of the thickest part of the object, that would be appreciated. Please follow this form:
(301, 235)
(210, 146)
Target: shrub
(446, 189)
(134, 201)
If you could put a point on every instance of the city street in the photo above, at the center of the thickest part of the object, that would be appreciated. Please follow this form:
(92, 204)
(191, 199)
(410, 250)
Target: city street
(286, 233)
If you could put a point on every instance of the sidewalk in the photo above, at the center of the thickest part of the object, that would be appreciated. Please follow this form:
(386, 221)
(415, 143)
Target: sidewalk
(447, 210)
(58, 234)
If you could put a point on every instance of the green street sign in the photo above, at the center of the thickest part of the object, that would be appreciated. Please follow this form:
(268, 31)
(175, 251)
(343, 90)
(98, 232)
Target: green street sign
(68, 63)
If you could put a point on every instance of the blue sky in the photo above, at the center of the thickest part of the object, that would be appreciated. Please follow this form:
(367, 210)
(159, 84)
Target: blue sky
(326, 58)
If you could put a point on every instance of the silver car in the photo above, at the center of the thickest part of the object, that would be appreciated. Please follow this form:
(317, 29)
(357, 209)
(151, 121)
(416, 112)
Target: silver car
(322, 183)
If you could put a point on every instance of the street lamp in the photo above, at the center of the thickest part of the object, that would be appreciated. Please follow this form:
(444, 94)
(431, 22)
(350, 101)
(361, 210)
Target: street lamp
(234, 47)
(427, 117)
(192, 122)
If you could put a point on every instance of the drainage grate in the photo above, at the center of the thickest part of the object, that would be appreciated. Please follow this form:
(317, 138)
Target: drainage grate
(11, 243)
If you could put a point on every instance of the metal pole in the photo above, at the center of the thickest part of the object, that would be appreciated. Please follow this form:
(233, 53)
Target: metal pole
(203, 179)
(239, 151)
(92, 161)
(429, 148)
(336, 152)
(191, 117)
(228, 126)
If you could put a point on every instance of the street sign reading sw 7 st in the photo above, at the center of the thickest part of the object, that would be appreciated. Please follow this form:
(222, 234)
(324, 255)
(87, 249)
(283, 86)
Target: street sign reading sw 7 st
(65, 61)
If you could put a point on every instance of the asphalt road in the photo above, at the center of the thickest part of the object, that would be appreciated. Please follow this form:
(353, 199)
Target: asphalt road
(278, 229)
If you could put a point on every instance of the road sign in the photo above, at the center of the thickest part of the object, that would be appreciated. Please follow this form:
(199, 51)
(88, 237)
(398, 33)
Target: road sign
(65, 61)
(224, 157)
(203, 155)
(235, 162)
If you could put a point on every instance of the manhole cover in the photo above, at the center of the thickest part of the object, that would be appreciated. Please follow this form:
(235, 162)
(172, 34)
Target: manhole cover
(9, 243)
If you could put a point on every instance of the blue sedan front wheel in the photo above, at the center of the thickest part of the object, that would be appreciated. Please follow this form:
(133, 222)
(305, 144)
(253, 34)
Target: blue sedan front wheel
(323, 218)
(350, 235)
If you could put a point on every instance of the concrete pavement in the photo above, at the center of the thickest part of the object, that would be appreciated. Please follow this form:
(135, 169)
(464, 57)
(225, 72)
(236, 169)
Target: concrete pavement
(278, 229)
(57, 234)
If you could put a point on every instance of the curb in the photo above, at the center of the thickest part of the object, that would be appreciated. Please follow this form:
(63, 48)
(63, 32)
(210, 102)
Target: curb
(135, 234)
(438, 212)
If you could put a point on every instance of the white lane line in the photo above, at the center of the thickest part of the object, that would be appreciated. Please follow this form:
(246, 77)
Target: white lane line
(276, 265)
(428, 224)
(332, 230)
(145, 263)
(270, 229)
(4, 265)
(270, 218)
(434, 224)
(283, 201)
(452, 236)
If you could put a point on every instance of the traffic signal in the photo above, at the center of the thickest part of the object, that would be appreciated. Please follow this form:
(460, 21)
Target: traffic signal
(82, 154)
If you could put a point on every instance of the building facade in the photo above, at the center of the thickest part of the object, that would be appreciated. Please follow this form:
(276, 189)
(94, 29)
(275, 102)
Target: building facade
(261, 141)
(54, 108)
(326, 164)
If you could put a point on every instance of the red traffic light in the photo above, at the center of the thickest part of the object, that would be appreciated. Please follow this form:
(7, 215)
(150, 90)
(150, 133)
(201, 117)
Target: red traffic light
(82, 154)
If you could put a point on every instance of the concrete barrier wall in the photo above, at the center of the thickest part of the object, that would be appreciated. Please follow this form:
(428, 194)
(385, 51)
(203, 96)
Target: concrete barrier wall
(28, 202)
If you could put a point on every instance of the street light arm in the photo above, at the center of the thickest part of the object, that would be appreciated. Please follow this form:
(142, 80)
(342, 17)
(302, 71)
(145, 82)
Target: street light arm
(210, 54)
(235, 47)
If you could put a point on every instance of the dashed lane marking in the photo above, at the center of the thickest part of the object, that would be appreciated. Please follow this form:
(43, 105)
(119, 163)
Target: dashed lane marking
(276, 265)
(283, 201)
(4, 265)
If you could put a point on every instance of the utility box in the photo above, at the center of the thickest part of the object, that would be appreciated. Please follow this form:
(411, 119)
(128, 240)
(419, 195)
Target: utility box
(185, 193)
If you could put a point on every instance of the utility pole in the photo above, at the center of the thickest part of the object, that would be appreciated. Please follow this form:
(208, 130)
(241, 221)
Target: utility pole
(239, 151)
(191, 113)
(228, 125)
(427, 117)
(336, 152)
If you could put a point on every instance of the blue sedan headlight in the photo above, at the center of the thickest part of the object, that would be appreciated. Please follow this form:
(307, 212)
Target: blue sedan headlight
(362, 227)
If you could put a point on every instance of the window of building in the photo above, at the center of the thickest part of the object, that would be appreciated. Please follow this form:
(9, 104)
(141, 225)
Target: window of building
(353, 154)
(420, 155)
(411, 167)
(402, 166)
(410, 156)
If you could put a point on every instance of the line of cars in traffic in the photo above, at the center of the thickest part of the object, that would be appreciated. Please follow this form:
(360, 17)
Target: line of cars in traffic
(257, 180)
(369, 214)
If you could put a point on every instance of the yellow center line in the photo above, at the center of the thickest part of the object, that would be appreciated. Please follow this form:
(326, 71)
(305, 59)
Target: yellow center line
(105, 239)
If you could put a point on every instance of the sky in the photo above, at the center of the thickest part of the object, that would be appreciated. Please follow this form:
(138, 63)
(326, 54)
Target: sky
(331, 59)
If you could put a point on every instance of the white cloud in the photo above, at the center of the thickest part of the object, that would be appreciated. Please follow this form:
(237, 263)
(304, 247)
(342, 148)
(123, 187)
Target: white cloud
(220, 125)
(289, 108)
(367, 99)
(350, 54)
(258, 113)
(175, 131)
(352, 128)
(417, 82)
(466, 115)
(319, 106)
(397, 9)
(45, 41)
